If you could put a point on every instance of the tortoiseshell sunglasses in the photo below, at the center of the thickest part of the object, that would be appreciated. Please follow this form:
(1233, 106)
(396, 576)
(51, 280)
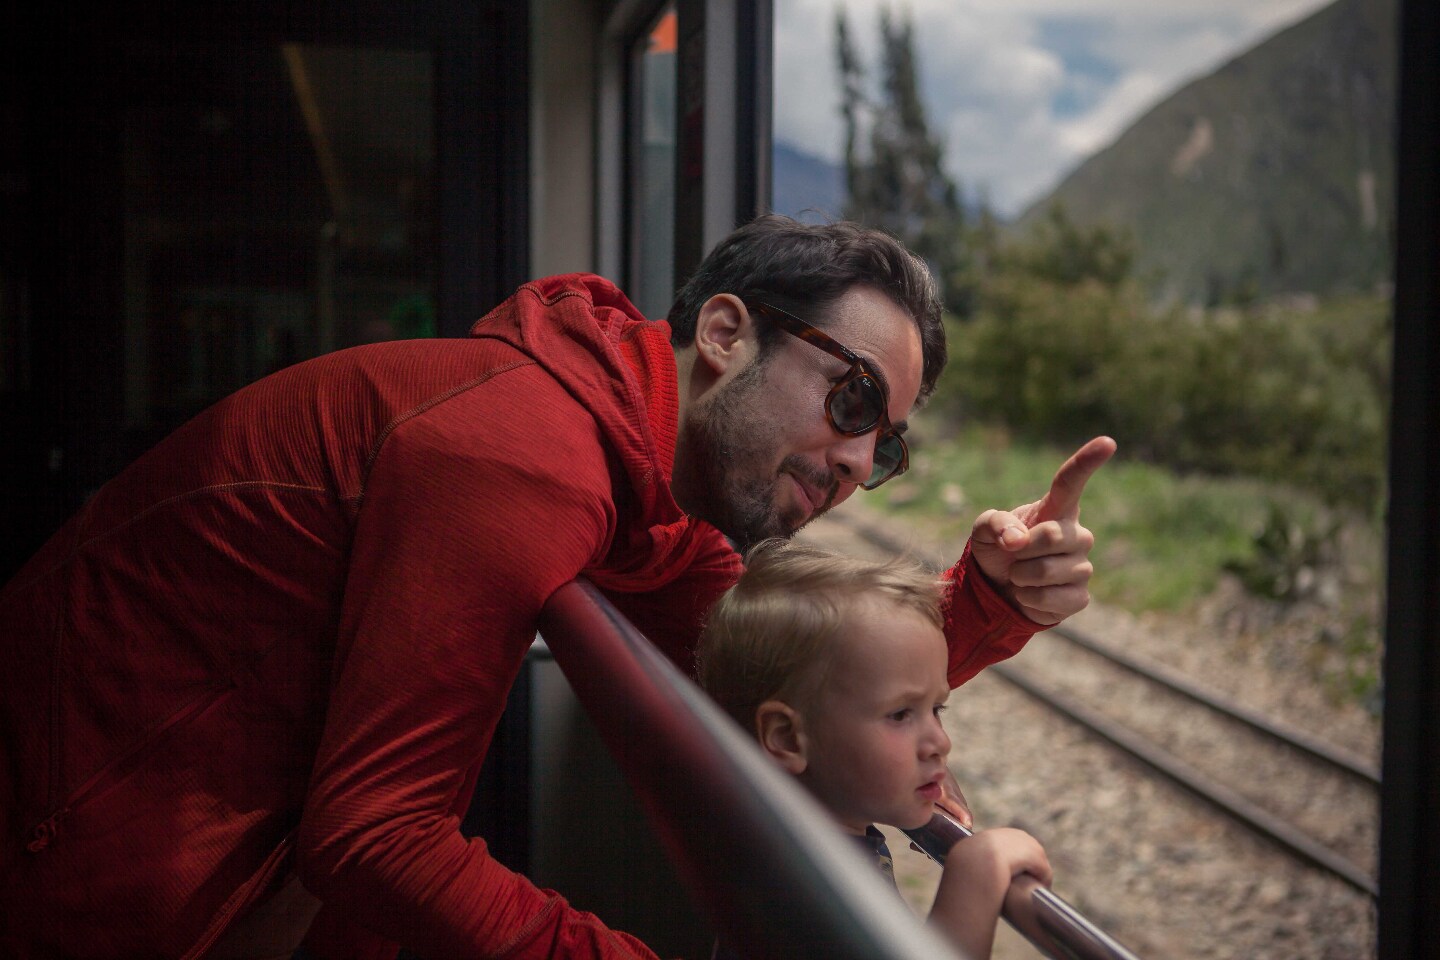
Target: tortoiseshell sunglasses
(856, 404)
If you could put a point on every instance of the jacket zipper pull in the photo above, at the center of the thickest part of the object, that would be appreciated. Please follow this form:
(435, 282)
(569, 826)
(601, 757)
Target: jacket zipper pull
(45, 831)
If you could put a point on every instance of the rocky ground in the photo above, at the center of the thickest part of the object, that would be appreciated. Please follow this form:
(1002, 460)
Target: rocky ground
(1155, 867)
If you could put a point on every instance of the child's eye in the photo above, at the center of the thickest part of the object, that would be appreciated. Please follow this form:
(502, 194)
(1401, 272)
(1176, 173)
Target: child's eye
(940, 708)
(899, 715)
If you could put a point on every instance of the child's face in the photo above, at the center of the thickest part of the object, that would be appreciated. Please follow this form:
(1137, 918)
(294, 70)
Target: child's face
(875, 749)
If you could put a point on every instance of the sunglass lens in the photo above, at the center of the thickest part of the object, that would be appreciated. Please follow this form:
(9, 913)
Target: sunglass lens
(857, 405)
(888, 461)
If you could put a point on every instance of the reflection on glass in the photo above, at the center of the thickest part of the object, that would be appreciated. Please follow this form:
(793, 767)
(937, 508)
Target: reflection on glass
(278, 205)
(653, 176)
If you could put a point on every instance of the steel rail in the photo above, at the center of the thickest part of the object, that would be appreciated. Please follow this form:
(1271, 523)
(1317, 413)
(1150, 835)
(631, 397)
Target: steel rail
(1232, 803)
(1276, 730)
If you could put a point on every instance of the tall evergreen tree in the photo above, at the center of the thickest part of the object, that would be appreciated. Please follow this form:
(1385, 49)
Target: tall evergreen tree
(898, 182)
(852, 97)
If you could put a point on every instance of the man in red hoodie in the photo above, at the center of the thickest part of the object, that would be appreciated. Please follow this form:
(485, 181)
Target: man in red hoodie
(256, 675)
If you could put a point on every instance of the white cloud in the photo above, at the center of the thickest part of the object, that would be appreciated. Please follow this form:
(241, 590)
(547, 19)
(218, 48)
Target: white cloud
(993, 75)
(1124, 102)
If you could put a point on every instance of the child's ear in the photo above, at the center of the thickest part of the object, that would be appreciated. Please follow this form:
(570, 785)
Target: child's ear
(781, 731)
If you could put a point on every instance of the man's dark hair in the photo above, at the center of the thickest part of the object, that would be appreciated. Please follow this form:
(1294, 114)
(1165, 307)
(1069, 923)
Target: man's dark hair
(804, 268)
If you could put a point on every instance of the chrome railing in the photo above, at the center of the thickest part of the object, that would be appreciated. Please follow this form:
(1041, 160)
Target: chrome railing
(1055, 928)
(761, 858)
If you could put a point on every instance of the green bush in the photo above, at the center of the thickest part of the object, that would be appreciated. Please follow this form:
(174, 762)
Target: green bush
(1061, 348)
(1287, 551)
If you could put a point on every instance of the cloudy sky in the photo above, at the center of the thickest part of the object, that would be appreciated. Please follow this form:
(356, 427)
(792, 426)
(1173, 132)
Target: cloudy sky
(1020, 90)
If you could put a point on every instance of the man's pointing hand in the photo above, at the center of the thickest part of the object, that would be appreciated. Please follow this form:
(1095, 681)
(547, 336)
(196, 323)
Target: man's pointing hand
(1038, 555)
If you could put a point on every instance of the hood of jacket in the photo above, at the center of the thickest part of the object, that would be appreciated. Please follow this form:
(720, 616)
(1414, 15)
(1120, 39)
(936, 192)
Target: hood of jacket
(588, 335)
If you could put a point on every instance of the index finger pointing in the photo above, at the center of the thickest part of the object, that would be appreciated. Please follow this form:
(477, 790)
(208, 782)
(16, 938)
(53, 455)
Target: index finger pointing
(1063, 500)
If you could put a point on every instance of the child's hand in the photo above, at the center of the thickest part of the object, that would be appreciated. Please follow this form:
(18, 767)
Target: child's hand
(999, 855)
(978, 873)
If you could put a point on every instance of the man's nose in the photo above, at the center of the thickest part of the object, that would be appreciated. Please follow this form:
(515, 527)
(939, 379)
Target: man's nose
(852, 458)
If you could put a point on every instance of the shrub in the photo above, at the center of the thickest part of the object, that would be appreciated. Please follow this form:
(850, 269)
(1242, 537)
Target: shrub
(1291, 393)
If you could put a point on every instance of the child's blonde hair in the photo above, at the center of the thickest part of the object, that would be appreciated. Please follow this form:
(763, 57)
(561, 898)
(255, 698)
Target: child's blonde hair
(765, 639)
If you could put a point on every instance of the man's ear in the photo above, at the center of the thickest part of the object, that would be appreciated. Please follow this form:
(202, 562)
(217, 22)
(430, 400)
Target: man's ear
(780, 728)
(724, 339)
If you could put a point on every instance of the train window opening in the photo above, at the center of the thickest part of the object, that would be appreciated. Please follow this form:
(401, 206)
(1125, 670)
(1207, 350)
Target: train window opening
(1167, 248)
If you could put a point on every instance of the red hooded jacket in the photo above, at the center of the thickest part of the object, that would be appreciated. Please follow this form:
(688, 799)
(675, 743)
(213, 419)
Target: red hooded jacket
(281, 640)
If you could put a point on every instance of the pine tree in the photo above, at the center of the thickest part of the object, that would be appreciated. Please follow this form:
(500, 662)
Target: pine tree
(899, 184)
(852, 97)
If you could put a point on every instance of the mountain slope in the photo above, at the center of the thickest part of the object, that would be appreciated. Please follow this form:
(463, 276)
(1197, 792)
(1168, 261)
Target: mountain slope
(1272, 175)
(805, 186)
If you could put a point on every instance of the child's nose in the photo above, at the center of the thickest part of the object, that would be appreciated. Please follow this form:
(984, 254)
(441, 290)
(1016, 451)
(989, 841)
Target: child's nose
(937, 743)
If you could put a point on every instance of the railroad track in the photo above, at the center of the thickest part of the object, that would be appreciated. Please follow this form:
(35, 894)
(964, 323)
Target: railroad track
(1236, 802)
(1289, 783)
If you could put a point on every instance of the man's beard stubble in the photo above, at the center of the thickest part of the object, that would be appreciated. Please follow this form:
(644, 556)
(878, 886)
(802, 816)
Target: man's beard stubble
(729, 444)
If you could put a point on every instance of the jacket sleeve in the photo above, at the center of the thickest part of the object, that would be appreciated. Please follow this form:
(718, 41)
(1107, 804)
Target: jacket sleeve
(446, 579)
(980, 626)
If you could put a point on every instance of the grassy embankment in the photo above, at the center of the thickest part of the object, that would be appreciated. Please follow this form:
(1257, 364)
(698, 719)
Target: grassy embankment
(1164, 541)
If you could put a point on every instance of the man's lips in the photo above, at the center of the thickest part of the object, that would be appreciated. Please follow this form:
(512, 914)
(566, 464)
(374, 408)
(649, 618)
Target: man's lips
(813, 497)
(810, 499)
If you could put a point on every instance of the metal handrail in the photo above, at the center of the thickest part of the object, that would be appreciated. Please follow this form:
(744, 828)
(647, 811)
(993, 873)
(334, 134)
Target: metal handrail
(1058, 929)
(761, 858)
(759, 855)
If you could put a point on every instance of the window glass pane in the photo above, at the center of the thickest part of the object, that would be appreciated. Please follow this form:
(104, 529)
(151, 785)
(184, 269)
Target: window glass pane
(653, 171)
(278, 205)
